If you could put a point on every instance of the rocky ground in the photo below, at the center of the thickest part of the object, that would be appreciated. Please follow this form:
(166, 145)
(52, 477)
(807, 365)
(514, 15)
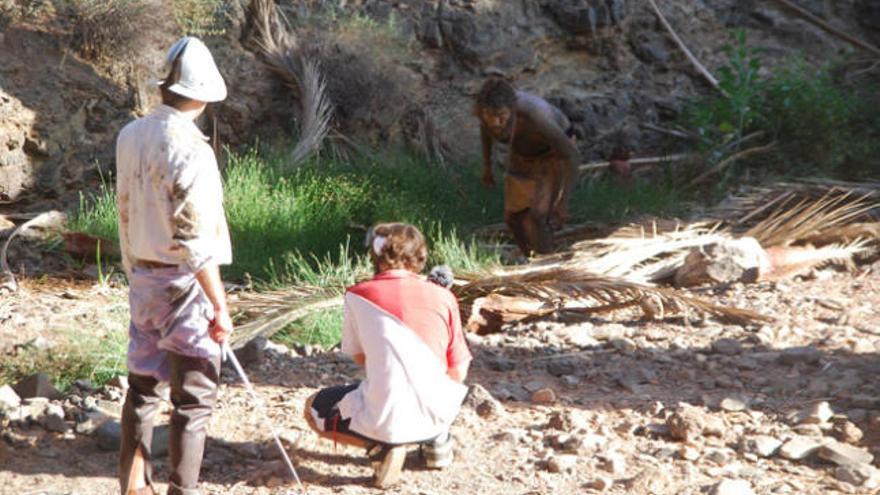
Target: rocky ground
(612, 405)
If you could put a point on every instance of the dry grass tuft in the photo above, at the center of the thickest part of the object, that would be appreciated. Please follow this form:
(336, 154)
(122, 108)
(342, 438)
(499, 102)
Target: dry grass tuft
(112, 29)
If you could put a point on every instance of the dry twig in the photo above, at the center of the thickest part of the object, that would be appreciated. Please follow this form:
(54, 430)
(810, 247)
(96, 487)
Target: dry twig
(687, 52)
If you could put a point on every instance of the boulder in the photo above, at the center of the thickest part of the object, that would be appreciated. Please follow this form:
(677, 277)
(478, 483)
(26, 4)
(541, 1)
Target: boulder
(844, 455)
(862, 475)
(798, 448)
(109, 435)
(38, 385)
(761, 445)
(817, 413)
(686, 424)
(727, 261)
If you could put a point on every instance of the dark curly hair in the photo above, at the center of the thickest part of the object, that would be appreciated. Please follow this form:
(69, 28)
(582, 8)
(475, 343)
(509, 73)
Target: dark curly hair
(496, 93)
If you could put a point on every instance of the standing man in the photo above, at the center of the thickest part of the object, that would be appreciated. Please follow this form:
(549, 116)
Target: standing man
(173, 235)
(542, 168)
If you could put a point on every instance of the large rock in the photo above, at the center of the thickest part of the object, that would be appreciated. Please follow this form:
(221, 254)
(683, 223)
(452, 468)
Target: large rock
(482, 402)
(686, 424)
(728, 261)
(761, 445)
(252, 353)
(844, 455)
(817, 413)
(799, 448)
(53, 419)
(863, 475)
(109, 435)
(800, 355)
(38, 385)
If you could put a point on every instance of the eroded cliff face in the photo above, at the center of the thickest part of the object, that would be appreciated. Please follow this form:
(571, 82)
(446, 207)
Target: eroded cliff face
(608, 64)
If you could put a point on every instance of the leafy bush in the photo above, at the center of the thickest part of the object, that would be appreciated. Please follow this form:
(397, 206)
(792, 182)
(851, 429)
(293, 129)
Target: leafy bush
(721, 119)
(818, 123)
(822, 125)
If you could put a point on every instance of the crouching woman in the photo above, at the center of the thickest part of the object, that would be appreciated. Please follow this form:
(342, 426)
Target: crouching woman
(406, 333)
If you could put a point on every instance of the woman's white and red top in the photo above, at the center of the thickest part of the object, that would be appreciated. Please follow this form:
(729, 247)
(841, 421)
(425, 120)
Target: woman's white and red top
(409, 329)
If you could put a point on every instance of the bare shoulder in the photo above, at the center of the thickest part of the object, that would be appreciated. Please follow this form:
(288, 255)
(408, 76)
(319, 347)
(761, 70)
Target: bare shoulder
(536, 108)
(530, 103)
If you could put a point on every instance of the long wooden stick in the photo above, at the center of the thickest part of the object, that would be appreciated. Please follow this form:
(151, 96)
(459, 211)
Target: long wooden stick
(812, 19)
(671, 132)
(636, 161)
(687, 53)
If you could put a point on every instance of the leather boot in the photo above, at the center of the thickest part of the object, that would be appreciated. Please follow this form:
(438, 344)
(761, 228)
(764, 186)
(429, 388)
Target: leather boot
(138, 413)
(193, 393)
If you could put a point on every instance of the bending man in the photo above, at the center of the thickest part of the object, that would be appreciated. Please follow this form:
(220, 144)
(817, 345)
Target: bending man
(543, 161)
(173, 235)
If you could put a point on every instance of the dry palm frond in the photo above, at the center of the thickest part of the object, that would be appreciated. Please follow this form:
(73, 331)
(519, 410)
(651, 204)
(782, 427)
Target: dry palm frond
(788, 224)
(268, 313)
(284, 57)
(645, 254)
(753, 204)
(787, 262)
(575, 289)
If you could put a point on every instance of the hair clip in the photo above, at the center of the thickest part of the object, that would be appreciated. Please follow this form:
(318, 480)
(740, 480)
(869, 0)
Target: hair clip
(379, 244)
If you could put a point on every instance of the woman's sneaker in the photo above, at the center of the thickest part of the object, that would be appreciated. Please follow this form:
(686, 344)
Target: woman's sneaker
(387, 462)
(438, 453)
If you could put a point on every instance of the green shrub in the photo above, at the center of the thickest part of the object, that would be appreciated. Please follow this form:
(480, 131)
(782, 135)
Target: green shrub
(818, 124)
(821, 125)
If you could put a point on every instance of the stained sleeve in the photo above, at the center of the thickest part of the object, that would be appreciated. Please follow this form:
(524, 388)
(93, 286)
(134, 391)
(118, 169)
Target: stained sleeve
(196, 199)
(458, 351)
(122, 205)
(351, 342)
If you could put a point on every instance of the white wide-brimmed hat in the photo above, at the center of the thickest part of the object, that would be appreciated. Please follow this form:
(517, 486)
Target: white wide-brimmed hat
(199, 77)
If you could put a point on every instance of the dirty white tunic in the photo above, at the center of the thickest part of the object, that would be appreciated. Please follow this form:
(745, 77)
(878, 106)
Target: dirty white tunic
(170, 195)
(170, 201)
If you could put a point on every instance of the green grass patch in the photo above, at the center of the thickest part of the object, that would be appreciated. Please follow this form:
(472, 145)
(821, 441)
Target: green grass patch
(96, 213)
(97, 355)
(321, 329)
(287, 226)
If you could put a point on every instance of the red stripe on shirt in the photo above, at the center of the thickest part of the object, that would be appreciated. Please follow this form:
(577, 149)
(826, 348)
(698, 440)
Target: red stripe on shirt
(426, 308)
